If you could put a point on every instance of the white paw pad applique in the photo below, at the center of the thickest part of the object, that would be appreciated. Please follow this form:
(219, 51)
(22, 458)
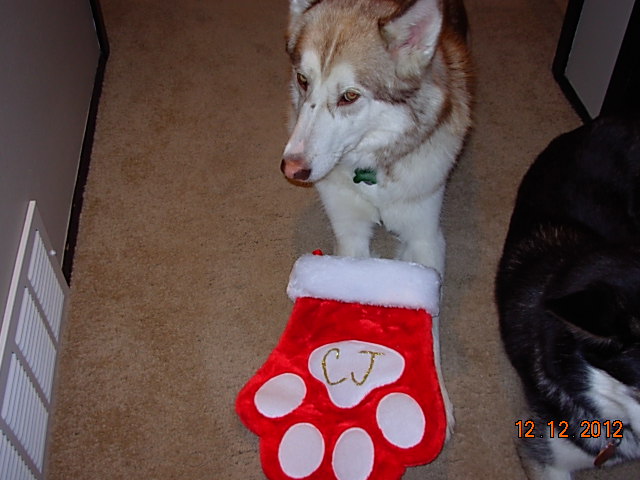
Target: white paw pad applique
(328, 404)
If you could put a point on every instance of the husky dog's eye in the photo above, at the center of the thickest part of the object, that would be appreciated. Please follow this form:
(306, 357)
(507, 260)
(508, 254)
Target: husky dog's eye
(349, 97)
(302, 81)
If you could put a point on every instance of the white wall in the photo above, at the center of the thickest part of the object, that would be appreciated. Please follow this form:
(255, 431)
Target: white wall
(49, 54)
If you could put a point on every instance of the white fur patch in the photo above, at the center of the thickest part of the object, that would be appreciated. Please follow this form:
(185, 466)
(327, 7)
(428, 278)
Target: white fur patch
(614, 399)
(617, 401)
(567, 458)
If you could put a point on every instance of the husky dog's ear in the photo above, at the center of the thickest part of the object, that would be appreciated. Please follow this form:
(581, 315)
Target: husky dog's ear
(592, 311)
(298, 7)
(412, 37)
(296, 11)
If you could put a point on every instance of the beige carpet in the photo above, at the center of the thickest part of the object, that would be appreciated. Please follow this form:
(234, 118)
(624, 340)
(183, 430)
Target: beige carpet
(189, 232)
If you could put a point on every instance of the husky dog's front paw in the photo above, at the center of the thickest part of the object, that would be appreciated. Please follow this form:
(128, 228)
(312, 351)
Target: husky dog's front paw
(537, 470)
(448, 409)
(351, 247)
(429, 252)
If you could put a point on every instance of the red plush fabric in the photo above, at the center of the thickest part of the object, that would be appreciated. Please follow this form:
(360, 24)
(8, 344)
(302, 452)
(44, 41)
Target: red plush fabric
(317, 322)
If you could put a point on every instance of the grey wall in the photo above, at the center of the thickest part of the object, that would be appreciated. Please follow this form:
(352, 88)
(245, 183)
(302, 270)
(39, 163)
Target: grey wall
(595, 49)
(49, 54)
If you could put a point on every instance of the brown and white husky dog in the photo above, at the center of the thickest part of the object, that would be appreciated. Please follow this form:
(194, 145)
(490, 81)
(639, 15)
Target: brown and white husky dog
(381, 94)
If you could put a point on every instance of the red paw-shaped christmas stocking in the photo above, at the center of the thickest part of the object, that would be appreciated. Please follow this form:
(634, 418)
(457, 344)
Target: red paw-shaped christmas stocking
(351, 390)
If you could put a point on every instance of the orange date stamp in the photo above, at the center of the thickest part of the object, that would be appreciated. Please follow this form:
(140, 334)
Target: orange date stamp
(561, 429)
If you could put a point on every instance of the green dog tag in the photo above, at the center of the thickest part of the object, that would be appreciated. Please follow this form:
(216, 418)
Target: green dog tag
(366, 175)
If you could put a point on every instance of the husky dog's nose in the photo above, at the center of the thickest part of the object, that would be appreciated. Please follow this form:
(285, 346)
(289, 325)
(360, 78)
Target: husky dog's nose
(295, 168)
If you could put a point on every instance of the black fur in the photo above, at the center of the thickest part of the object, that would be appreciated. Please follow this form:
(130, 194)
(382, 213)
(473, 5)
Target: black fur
(568, 283)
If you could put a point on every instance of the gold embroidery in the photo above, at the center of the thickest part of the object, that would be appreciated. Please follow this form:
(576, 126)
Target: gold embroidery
(368, 372)
(324, 366)
(359, 383)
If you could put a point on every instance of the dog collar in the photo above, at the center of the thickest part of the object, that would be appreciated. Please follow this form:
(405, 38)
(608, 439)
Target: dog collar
(607, 452)
(366, 175)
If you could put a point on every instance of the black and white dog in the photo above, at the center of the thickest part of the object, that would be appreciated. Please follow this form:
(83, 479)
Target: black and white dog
(568, 295)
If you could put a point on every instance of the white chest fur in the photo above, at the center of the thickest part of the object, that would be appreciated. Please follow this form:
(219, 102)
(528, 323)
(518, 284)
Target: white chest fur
(617, 401)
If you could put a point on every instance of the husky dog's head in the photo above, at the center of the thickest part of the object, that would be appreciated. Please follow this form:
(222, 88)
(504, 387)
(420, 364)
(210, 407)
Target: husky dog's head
(355, 66)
